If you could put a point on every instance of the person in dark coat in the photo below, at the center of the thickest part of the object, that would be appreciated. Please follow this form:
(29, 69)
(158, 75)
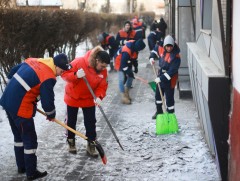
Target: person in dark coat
(162, 26)
(154, 25)
(109, 43)
(34, 78)
(169, 63)
(126, 58)
(154, 37)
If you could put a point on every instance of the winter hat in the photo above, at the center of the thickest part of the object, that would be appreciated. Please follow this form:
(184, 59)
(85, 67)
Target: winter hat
(103, 56)
(61, 61)
(168, 40)
(100, 38)
(127, 22)
(139, 45)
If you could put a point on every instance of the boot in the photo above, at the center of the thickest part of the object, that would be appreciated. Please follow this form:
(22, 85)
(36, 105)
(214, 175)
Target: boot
(21, 170)
(124, 99)
(37, 175)
(127, 94)
(155, 115)
(91, 150)
(72, 148)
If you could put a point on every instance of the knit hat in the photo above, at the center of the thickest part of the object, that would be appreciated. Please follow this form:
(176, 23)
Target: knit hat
(61, 61)
(139, 45)
(103, 56)
(168, 40)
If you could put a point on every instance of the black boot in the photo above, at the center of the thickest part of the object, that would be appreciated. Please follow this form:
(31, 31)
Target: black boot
(21, 170)
(37, 175)
(155, 115)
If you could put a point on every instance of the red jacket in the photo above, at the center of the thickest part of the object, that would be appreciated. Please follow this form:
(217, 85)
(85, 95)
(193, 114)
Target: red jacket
(76, 90)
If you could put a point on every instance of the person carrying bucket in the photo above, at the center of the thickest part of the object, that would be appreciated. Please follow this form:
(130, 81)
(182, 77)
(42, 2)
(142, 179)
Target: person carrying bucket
(169, 62)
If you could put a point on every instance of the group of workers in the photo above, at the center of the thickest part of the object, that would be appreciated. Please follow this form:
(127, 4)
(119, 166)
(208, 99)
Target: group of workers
(34, 80)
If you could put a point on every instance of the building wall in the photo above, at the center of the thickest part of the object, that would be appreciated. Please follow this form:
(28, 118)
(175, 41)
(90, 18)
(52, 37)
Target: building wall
(209, 83)
(234, 162)
(117, 6)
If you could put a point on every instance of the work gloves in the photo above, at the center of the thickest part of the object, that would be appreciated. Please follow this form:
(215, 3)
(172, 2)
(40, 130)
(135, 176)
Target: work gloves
(80, 73)
(135, 69)
(151, 60)
(157, 80)
(98, 101)
(128, 72)
(135, 64)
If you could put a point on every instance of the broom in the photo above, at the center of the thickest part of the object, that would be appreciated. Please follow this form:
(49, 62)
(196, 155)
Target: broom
(166, 123)
(152, 84)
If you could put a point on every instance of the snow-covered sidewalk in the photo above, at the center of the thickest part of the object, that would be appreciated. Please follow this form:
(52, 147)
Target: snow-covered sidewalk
(180, 157)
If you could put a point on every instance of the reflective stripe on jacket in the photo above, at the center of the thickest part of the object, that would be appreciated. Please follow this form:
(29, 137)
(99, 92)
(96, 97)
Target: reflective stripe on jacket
(120, 61)
(32, 78)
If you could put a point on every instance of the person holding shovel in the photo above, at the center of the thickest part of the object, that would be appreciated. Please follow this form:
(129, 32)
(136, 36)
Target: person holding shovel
(125, 59)
(33, 78)
(91, 66)
(169, 62)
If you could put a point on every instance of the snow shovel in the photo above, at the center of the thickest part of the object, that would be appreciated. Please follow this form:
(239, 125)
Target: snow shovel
(96, 143)
(104, 115)
(166, 123)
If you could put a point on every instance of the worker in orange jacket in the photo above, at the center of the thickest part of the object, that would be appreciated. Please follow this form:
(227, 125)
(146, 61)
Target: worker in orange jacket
(126, 58)
(92, 66)
(33, 78)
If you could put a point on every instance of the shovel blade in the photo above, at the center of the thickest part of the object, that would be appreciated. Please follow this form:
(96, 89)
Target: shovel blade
(162, 124)
(173, 123)
(101, 152)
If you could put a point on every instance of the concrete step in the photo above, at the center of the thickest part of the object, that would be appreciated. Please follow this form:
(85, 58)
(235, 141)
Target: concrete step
(185, 90)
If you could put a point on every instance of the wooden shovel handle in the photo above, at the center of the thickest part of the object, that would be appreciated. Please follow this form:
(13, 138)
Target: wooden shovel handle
(163, 98)
(65, 126)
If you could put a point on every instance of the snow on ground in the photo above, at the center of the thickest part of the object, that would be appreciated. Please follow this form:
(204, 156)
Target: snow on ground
(180, 157)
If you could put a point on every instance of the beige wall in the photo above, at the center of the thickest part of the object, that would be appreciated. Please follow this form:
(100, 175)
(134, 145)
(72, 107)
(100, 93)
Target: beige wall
(70, 4)
(117, 6)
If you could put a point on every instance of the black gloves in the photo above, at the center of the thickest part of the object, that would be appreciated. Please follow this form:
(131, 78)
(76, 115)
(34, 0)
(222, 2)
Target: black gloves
(135, 64)
(129, 73)
(135, 69)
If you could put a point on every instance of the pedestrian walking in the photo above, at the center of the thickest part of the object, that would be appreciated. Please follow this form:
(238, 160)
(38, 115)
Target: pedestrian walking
(169, 62)
(77, 95)
(162, 26)
(125, 34)
(126, 58)
(154, 25)
(33, 78)
(109, 43)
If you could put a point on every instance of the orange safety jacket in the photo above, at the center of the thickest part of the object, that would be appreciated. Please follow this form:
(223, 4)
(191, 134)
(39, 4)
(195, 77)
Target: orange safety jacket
(133, 55)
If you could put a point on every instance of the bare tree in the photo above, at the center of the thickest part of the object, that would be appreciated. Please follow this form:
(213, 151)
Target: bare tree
(5, 3)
